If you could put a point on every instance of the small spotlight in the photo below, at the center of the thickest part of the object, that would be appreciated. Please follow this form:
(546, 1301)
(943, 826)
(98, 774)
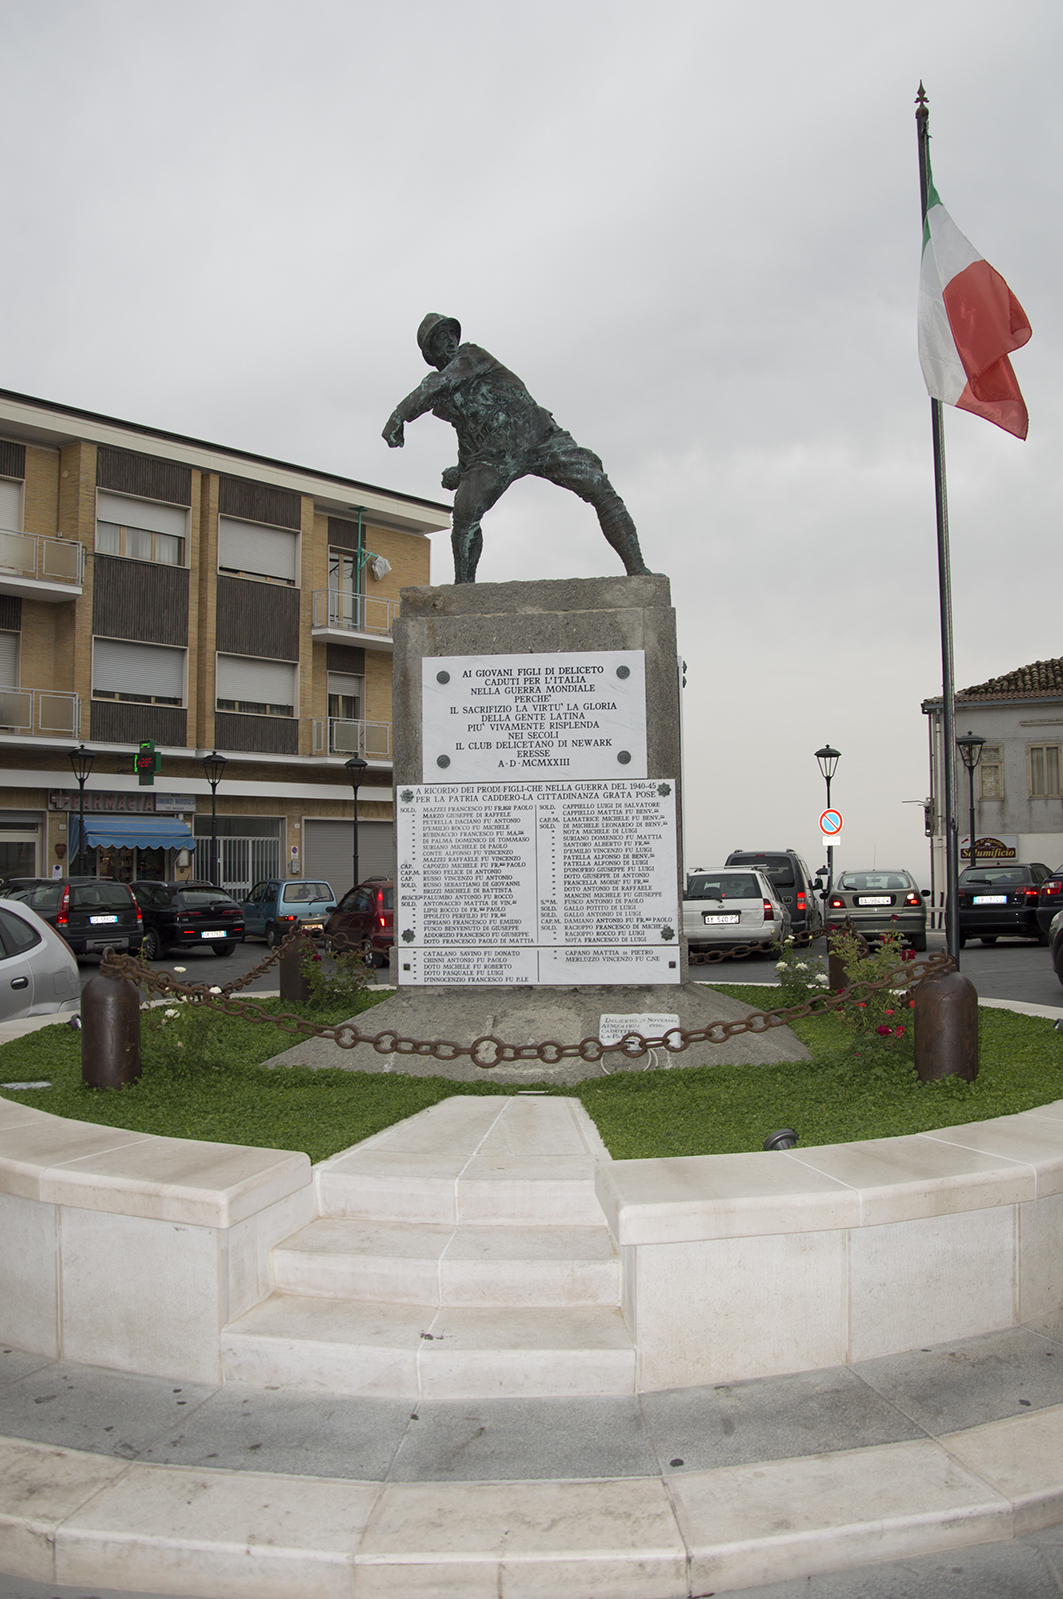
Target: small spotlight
(785, 1138)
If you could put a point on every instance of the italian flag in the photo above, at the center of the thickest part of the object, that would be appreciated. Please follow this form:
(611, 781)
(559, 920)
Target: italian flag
(969, 322)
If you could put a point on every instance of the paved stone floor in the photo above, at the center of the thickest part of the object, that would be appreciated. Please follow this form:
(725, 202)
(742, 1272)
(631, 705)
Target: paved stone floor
(927, 1392)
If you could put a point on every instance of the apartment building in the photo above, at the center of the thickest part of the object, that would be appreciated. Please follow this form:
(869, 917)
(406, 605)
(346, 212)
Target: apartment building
(1018, 780)
(155, 587)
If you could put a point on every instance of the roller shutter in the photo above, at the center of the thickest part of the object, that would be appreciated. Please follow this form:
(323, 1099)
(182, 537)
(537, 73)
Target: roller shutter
(327, 848)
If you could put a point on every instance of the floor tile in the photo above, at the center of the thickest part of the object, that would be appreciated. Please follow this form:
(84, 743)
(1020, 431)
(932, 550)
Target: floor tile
(773, 1418)
(16, 1364)
(515, 1439)
(296, 1434)
(104, 1412)
(968, 1383)
(988, 1571)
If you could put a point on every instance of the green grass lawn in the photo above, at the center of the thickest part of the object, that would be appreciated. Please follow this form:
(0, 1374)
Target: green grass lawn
(203, 1078)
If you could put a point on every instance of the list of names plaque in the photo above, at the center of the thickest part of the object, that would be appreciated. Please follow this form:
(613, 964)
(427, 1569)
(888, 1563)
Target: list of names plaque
(537, 882)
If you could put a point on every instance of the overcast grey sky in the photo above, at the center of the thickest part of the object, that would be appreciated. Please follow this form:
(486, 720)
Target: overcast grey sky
(691, 228)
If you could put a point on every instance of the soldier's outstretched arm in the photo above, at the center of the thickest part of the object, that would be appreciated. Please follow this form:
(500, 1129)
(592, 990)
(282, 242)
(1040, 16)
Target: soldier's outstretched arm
(422, 399)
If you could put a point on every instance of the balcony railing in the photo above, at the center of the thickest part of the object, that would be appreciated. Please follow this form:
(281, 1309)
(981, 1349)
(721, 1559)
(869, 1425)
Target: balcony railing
(354, 613)
(39, 712)
(333, 735)
(48, 560)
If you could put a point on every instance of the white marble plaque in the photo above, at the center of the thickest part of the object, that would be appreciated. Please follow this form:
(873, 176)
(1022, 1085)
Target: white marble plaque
(551, 882)
(512, 718)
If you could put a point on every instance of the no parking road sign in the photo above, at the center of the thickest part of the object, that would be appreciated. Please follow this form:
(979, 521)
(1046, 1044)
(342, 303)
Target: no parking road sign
(830, 825)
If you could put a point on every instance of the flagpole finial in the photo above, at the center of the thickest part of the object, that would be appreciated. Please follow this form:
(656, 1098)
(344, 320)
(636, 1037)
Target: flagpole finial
(922, 102)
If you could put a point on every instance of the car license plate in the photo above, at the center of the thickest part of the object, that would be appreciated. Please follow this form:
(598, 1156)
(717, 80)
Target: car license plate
(313, 927)
(96, 919)
(717, 921)
(875, 899)
(991, 899)
(219, 934)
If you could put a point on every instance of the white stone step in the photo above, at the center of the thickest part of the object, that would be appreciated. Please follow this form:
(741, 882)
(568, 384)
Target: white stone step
(506, 1161)
(428, 1264)
(412, 1351)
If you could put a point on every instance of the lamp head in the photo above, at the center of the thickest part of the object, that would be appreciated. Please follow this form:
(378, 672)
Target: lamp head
(213, 767)
(82, 760)
(828, 760)
(970, 748)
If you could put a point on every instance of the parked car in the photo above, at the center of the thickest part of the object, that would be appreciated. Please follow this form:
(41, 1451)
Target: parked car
(791, 879)
(725, 908)
(1050, 899)
(274, 906)
(880, 901)
(38, 972)
(91, 913)
(365, 916)
(1001, 902)
(1055, 939)
(185, 914)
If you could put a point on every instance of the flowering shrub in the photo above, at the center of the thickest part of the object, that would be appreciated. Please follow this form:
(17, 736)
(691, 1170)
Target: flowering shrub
(801, 974)
(339, 979)
(882, 1020)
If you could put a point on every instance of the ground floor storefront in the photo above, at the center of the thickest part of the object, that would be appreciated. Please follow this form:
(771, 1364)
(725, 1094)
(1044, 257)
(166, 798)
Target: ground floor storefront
(263, 823)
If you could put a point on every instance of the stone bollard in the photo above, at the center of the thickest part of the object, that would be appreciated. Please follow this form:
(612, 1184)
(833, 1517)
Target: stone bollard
(294, 989)
(836, 977)
(110, 1032)
(946, 1027)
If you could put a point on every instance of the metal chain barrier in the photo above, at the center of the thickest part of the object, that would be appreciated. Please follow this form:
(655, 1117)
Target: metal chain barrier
(488, 1051)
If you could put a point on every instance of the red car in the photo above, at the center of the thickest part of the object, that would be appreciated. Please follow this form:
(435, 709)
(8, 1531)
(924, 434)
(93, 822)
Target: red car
(365, 916)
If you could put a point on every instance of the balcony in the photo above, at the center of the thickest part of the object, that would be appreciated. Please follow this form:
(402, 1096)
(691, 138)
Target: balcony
(335, 736)
(36, 567)
(41, 713)
(345, 618)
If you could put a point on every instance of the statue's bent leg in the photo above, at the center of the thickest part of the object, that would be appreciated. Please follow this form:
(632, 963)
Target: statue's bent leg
(477, 492)
(565, 463)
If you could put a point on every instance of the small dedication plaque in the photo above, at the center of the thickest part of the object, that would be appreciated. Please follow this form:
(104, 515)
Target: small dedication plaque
(549, 882)
(504, 718)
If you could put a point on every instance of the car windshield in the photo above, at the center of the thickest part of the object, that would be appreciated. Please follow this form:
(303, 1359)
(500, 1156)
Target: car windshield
(45, 898)
(861, 882)
(723, 885)
(989, 876)
(100, 896)
(303, 893)
(192, 898)
(778, 867)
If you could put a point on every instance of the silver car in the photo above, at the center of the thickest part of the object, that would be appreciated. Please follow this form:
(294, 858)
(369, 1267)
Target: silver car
(733, 905)
(38, 972)
(880, 901)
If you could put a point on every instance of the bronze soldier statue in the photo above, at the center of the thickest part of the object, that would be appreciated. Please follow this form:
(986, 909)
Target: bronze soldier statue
(502, 435)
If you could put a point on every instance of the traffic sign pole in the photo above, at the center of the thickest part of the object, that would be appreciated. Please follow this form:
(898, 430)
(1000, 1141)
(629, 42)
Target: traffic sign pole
(831, 823)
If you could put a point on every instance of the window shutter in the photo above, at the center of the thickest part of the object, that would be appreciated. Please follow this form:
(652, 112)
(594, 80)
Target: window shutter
(262, 682)
(259, 551)
(119, 668)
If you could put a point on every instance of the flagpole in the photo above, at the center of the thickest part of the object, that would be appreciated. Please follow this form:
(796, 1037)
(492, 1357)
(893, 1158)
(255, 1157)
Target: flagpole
(948, 684)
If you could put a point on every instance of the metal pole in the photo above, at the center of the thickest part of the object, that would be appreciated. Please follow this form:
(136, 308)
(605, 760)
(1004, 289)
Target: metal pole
(948, 687)
(81, 823)
(214, 833)
(830, 851)
(354, 859)
(970, 778)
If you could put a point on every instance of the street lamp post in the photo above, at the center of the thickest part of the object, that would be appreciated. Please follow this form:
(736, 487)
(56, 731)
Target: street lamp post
(213, 767)
(354, 769)
(82, 760)
(828, 760)
(970, 748)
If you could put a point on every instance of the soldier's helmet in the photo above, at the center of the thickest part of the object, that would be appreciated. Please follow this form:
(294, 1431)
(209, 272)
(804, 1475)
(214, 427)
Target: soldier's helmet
(431, 322)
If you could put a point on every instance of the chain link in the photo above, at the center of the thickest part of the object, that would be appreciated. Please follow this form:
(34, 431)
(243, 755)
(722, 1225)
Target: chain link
(488, 1052)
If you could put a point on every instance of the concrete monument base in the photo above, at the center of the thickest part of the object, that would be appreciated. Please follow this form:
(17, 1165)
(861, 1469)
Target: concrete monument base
(538, 1015)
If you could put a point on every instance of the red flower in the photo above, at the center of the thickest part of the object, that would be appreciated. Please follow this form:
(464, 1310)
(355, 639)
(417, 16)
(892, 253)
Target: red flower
(889, 1012)
(885, 1031)
(898, 1031)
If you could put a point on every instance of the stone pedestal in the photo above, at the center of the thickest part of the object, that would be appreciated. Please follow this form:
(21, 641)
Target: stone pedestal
(627, 626)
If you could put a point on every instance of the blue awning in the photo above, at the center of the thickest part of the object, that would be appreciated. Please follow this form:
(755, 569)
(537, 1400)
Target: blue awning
(136, 832)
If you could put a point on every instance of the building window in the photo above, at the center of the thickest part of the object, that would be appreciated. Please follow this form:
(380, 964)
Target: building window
(142, 674)
(10, 505)
(250, 549)
(344, 696)
(140, 530)
(1044, 771)
(991, 768)
(256, 687)
(9, 660)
